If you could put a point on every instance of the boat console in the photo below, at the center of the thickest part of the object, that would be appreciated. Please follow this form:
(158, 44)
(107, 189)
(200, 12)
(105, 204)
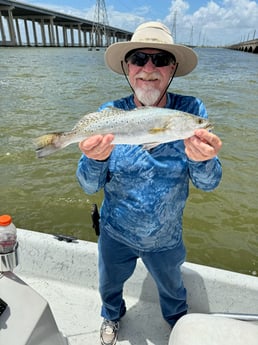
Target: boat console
(25, 316)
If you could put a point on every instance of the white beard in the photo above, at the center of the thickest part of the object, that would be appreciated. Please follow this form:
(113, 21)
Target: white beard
(147, 96)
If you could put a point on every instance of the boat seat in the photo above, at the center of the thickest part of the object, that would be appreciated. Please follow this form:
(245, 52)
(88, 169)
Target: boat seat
(202, 329)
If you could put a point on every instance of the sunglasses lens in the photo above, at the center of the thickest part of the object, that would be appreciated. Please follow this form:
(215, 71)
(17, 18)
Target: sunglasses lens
(159, 60)
(139, 59)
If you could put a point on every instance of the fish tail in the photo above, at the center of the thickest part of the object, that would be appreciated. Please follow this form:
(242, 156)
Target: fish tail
(49, 143)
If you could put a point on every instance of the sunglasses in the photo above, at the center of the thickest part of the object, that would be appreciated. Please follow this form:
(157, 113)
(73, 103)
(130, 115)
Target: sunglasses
(159, 59)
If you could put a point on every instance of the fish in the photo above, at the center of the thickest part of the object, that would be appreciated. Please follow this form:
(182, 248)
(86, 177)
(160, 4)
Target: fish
(148, 126)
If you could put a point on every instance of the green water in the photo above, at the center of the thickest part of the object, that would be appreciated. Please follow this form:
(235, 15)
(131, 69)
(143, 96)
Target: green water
(49, 89)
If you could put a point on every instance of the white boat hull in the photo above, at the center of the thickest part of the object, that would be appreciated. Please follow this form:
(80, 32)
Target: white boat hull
(65, 274)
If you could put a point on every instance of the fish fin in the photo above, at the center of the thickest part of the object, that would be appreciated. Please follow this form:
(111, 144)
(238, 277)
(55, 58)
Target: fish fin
(113, 110)
(47, 144)
(149, 146)
(155, 130)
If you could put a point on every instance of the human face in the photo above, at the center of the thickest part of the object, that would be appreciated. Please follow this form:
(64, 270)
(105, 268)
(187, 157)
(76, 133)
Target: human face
(149, 81)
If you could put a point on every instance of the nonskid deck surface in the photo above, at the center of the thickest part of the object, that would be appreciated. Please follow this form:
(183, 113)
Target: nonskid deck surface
(65, 274)
(77, 309)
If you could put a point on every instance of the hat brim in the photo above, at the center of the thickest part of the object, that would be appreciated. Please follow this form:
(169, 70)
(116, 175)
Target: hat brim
(185, 57)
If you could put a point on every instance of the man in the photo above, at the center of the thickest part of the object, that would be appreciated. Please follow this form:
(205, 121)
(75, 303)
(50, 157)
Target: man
(145, 191)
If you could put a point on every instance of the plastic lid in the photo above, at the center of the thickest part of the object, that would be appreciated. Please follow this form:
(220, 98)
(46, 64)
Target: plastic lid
(5, 219)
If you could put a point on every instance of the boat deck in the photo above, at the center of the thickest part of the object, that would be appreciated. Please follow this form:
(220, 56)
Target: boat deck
(67, 279)
(76, 310)
(65, 274)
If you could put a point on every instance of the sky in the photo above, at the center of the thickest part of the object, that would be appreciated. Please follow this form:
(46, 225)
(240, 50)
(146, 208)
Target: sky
(198, 22)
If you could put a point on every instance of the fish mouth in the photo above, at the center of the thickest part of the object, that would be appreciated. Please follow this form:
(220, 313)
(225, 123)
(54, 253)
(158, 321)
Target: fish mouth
(209, 126)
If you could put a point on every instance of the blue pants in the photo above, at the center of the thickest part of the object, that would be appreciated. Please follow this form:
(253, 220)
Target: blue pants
(117, 262)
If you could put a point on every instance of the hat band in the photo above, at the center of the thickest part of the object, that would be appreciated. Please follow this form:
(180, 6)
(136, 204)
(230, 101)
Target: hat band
(151, 40)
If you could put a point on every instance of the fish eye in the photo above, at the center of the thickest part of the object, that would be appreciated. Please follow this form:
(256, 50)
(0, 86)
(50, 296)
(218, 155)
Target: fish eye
(200, 121)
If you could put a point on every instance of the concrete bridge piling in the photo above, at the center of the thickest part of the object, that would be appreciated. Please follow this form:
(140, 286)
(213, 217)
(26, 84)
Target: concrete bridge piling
(247, 46)
(26, 25)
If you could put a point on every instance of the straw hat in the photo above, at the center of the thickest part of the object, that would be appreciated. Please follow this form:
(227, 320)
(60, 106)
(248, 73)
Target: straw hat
(152, 35)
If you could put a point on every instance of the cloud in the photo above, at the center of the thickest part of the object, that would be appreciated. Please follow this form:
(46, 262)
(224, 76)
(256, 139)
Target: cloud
(87, 13)
(127, 20)
(220, 22)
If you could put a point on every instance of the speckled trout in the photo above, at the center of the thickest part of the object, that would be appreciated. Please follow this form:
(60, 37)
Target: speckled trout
(147, 126)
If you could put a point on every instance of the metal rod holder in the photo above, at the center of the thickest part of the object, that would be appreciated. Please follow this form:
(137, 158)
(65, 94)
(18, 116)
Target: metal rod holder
(10, 260)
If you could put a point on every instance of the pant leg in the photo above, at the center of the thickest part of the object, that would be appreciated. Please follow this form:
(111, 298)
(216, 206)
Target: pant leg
(164, 267)
(116, 264)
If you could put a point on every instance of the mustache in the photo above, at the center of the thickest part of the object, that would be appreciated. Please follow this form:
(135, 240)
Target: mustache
(148, 76)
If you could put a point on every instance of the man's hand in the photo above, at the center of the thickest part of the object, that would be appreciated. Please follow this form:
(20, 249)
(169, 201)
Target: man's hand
(202, 146)
(97, 147)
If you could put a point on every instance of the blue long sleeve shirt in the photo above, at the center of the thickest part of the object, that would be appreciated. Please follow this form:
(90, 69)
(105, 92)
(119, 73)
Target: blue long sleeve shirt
(145, 191)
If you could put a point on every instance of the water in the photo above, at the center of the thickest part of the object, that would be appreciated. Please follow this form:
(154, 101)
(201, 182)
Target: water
(49, 89)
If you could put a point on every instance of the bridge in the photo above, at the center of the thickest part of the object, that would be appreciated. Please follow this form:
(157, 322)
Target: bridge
(26, 25)
(247, 46)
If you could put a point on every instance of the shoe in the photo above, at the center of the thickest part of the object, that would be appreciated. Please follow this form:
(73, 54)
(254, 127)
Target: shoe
(109, 332)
